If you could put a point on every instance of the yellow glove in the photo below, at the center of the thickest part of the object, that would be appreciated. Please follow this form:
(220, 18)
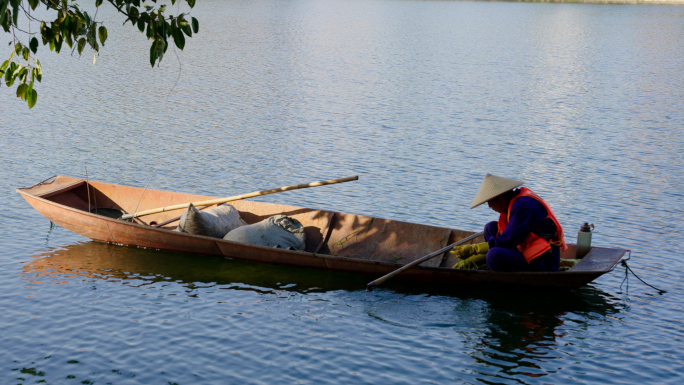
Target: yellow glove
(465, 251)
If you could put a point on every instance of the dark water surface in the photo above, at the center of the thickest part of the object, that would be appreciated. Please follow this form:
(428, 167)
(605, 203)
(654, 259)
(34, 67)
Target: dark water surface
(418, 98)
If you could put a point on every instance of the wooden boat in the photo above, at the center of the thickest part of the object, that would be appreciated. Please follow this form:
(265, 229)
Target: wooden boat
(336, 241)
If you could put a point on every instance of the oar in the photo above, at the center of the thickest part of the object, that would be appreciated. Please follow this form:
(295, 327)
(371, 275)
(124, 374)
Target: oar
(384, 278)
(237, 197)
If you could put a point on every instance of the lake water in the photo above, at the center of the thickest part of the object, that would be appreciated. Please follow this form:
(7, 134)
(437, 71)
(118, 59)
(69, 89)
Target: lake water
(418, 98)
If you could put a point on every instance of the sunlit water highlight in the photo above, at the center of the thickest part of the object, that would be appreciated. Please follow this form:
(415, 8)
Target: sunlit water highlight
(420, 99)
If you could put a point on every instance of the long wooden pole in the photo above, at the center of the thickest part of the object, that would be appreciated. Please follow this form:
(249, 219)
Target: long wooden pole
(384, 278)
(238, 197)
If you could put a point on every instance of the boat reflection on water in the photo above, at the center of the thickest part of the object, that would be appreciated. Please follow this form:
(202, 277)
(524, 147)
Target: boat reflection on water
(532, 334)
(509, 335)
(95, 260)
(520, 333)
(98, 260)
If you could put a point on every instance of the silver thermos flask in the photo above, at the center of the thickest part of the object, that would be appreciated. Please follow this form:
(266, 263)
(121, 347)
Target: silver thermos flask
(584, 240)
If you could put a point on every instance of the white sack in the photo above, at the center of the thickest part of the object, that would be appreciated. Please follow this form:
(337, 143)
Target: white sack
(278, 231)
(214, 222)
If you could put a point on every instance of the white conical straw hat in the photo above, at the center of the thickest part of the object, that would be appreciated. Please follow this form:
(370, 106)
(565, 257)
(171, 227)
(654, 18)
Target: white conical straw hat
(493, 186)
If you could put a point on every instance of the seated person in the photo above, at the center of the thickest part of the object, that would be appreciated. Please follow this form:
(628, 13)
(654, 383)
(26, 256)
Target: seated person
(527, 236)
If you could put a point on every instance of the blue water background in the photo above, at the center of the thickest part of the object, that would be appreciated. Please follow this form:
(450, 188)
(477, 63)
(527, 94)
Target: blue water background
(418, 98)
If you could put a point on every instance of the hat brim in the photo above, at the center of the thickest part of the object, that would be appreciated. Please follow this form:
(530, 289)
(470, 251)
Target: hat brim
(493, 186)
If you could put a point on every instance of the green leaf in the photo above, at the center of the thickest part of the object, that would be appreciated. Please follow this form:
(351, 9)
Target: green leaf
(4, 65)
(33, 3)
(191, 3)
(21, 91)
(3, 6)
(39, 71)
(77, 27)
(4, 20)
(150, 30)
(195, 25)
(186, 28)
(56, 32)
(25, 53)
(32, 98)
(81, 45)
(98, 3)
(45, 32)
(141, 25)
(102, 34)
(91, 36)
(9, 76)
(153, 54)
(15, 12)
(178, 38)
(58, 45)
(20, 73)
(34, 45)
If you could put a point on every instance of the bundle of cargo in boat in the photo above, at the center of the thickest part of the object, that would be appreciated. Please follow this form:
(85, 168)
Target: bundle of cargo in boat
(224, 221)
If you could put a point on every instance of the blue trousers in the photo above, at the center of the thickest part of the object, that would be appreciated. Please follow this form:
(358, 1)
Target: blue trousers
(504, 259)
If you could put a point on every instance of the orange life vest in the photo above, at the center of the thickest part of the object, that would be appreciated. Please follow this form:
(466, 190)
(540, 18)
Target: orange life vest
(534, 245)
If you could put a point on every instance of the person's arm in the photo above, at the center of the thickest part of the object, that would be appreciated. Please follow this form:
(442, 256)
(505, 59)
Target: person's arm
(526, 214)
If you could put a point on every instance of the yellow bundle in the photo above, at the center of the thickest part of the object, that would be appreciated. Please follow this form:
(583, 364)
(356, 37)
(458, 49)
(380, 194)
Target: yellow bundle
(567, 264)
(472, 257)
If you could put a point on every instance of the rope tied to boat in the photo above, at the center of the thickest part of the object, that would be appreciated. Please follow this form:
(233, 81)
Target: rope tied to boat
(42, 182)
(629, 270)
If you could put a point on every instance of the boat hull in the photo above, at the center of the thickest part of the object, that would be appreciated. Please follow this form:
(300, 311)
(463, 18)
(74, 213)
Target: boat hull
(335, 241)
